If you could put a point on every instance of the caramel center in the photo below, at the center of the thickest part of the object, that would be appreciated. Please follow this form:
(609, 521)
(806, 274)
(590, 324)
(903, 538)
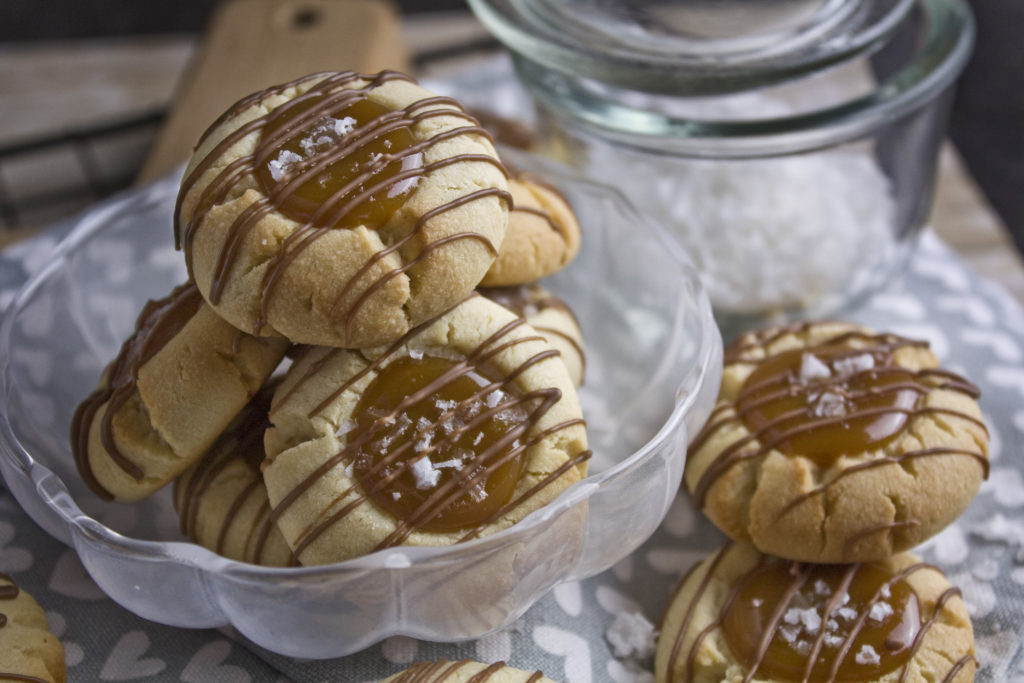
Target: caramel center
(826, 402)
(855, 623)
(442, 441)
(337, 160)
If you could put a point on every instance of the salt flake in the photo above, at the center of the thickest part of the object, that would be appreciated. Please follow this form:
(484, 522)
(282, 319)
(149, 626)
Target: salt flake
(811, 368)
(424, 473)
(854, 364)
(867, 655)
(880, 611)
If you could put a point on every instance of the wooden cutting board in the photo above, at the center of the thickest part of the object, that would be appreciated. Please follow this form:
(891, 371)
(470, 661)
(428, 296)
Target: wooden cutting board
(251, 44)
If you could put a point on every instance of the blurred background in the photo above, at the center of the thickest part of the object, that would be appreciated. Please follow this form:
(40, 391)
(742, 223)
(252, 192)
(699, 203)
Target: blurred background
(48, 47)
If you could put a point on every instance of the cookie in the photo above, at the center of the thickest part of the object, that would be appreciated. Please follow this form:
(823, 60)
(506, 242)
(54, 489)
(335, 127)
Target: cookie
(543, 234)
(459, 429)
(830, 443)
(341, 209)
(465, 671)
(175, 385)
(221, 499)
(28, 651)
(744, 616)
(550, 316)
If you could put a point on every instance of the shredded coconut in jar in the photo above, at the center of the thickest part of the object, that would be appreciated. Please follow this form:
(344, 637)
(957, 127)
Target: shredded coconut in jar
(767, 234)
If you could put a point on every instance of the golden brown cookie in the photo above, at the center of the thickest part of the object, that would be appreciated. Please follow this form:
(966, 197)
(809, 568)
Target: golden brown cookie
(459, 429)
(550, 316)
(830, 443)
(744, 616)
(177, 382)
(465, 671)
(341, 209)
(28, 651)
(221, 499)
(543, 234)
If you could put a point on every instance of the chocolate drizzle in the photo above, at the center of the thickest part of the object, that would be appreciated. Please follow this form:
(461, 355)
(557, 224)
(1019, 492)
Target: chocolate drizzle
(803, 622)
(376, 476)
(528, 301)
(380, 176)
(241, 441)
(870, 401)
(10, 591)
(540, 212)
(158, 323)
(443, 670)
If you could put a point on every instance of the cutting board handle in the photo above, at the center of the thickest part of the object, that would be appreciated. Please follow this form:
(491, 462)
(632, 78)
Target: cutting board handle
(252, 44)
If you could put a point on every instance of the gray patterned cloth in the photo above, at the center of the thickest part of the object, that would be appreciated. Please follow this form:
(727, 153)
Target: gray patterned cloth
(974, 326)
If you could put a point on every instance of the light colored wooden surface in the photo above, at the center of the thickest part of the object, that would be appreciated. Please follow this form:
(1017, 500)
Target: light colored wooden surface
(50, 87)
(251, 44)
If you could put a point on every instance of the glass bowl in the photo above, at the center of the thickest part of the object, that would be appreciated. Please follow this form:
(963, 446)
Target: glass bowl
(790, 146)
(654, 364)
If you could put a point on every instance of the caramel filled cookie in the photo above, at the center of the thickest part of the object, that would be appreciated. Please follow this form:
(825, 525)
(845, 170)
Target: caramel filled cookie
(28, 651)
(221, 499)
(550, 316)
(460, 428)
(744, 616)
(466, 671)
(341, 209)
(177, 382)
(830, 443)
(543, 234)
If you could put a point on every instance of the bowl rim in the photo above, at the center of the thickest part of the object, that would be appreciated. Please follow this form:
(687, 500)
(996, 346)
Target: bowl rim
(54, 494)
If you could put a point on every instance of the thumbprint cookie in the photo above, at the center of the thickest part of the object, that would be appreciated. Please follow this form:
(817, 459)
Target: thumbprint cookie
(543, 234)
(175, 385)
(222, 501)
(744, 616)
(831, 443)
(28, 651)
(549, 315)
(341, 209)
(465, 671)
(460, 428)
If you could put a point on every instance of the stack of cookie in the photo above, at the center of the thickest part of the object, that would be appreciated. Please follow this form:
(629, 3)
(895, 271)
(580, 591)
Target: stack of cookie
(28, 651)
(831, 451)
(335, 229)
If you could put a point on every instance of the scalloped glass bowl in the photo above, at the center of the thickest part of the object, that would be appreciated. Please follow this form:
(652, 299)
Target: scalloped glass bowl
(653, 367)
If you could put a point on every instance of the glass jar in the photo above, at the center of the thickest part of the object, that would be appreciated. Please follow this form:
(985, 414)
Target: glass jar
(790, 145)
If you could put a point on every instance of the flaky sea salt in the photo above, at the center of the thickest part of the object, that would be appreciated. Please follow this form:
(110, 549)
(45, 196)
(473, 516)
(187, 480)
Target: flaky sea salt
(829, 404)
(811, 368)
(345, 427)
(854, 364)
(424, 474)
(846, 613)
(880, 611)
(808, 618)
(282, 164)
(415, 354)
(631, 635)
(867, 655)
(454, 463)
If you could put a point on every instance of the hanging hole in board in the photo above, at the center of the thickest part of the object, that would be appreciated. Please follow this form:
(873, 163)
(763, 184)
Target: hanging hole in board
(306, 17)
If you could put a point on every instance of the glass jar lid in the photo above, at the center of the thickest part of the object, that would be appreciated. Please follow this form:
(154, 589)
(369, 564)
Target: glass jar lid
(699, 46)
(732, 78)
